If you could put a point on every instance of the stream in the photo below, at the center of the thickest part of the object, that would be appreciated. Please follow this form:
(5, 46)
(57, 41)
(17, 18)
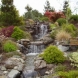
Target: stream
(35, 48)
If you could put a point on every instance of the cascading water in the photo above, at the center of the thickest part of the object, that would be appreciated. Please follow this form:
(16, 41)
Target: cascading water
(38, 46)
(34, 48)
(41, 31)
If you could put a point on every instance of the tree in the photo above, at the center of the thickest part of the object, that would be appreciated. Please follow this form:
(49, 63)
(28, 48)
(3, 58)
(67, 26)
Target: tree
(47, 7)
(68, 15)
(9, 14)
(28, 14)
(7, 6)
(66, 5)
(67, 11)
(28, 8)
(36, 14)
(53, 16)
(31, 14)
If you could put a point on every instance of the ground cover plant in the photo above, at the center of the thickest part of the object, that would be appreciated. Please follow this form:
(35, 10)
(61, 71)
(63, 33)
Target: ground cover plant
(9, 46)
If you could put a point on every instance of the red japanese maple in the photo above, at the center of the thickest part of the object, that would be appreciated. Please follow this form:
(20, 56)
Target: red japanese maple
(7, 31)
(53, 16)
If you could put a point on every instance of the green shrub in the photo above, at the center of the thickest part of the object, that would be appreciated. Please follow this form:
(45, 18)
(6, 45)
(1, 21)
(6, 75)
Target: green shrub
(52, 26)
(70, 28)
(53, 34)
(74, 17)
(26, 34)
(44, 18)
(61, 21)
(9, 46)
(70, 74)
(17, 33)
(53, 55)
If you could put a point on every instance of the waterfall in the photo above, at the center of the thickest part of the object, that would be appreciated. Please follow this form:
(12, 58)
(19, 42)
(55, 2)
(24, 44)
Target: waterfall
(35, 47)
(38, 46)
(41, 31)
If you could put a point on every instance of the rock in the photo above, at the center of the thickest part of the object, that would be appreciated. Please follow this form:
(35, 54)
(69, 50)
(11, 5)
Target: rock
(13, 73)
(46, 39)
(20, 60)
(20, 67)
(47, 72)
(37, 42)
(65, 54)
(18, 50)
(9, 66)
(63, 48)
(3, 68)
(23, 57)
(19, 45)
(13, 61)
(25, 40)
(49, 66)
(25, 43)
(38, 58)
(55, 77)
(40, 64)
(52, 71)
(5, 72)
(16, 56)
(21, 41)
(16, 67)
(1, 73)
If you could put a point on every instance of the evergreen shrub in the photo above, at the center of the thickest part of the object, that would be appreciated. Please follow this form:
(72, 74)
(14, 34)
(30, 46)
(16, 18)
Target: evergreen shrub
(17, 33)
(53, 55)
(61, 21)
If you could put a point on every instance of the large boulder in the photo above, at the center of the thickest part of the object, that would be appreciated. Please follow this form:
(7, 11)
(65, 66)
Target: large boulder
(23, 41)
(46, 39)
(13, 73)
(10, 63)
(42, 67)
(36, 43)
(40, 64)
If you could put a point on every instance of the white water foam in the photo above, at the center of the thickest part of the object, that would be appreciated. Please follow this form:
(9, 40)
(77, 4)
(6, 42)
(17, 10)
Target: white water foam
(32, 54)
